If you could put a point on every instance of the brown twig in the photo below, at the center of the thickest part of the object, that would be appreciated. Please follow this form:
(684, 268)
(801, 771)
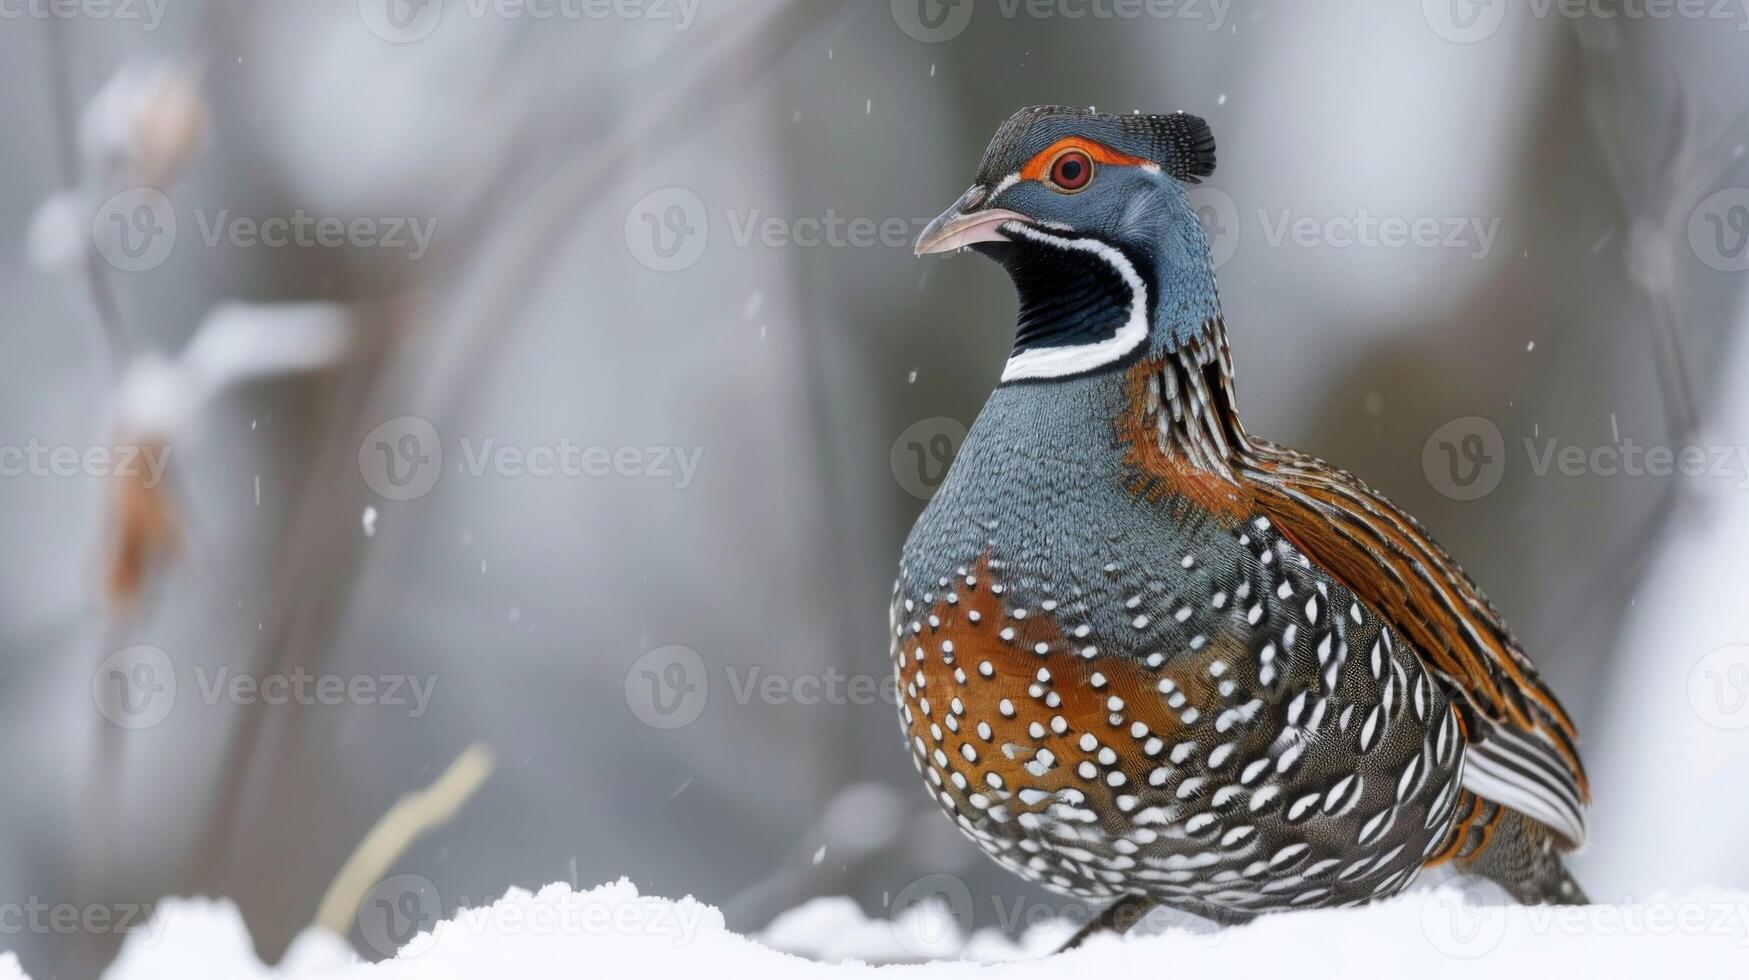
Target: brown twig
(322, 557)
(66, 117)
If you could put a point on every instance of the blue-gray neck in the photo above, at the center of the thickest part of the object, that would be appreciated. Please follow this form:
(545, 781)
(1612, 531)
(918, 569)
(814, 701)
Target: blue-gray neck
(1187, 308)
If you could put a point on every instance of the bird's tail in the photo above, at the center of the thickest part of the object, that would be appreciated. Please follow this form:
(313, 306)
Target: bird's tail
(1515, 852)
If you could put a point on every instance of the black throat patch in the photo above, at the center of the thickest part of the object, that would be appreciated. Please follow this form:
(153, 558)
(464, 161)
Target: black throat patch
(1069, 297)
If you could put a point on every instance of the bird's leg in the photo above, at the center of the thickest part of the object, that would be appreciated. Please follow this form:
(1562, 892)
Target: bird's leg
(1118, 917)
(1522, 857)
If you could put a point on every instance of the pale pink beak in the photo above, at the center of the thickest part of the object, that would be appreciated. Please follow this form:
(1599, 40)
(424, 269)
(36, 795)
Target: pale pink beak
(956, 227)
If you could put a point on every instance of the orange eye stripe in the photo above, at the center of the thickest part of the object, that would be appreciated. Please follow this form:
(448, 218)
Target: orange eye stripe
(1036, 168)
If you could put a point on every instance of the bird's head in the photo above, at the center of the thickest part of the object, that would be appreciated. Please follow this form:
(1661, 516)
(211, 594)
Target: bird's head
(1089, 213)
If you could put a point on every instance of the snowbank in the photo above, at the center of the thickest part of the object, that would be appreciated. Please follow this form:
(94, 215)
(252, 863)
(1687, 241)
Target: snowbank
(612, 931)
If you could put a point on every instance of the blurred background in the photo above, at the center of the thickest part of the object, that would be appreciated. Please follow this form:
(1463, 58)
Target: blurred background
(383, 378)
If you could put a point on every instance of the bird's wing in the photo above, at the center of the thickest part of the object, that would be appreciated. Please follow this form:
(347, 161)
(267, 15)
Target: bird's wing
(1522, 747)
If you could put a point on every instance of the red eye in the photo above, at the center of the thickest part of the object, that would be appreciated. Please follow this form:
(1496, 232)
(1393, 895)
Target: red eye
(1071, 170)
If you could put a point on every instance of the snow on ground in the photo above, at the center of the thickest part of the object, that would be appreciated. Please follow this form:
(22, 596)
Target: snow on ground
(612, 931)
(1671, 744)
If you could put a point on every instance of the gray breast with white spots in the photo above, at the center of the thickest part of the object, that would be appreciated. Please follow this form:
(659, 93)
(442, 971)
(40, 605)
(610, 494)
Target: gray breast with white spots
(1111, 699)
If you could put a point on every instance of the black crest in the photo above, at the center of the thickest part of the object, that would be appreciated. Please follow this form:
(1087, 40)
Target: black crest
(1179, 142)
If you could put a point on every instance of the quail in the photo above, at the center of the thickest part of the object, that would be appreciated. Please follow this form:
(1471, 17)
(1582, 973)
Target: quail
(1146, 658)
